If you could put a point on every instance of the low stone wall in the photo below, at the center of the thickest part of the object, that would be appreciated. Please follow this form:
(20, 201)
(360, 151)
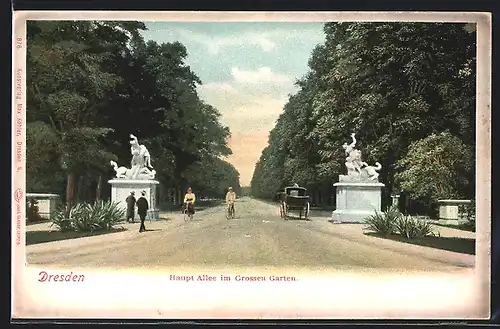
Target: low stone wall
(449, 211)
(47, 203)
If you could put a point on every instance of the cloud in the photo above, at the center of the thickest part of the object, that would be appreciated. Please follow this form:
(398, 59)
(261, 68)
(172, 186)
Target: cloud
(215, 44)
(261, 75)
(249, 86)
(253, 116)
(223, 87)
(265, 40)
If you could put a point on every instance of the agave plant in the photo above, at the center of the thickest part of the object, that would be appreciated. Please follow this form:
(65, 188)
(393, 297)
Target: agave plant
(383, 223)
(411, 227)
(60, 221)
(85, 217)
(108, 214)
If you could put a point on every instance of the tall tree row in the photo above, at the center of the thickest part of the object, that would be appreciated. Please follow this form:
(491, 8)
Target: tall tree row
(92, 83)
(408, 92)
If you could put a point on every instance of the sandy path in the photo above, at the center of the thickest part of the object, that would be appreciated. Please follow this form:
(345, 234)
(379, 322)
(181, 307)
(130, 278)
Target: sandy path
(257, 237)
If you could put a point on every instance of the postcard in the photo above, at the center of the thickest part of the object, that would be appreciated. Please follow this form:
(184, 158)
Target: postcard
(258, 165)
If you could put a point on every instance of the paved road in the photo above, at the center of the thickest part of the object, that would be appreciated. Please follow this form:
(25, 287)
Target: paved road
(256, 237)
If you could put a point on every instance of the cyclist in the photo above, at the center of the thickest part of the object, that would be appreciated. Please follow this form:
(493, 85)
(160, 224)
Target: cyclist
(189, 200)
(230, 197)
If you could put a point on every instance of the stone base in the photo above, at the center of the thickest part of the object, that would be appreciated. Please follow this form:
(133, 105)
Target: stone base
(455, 222)
(121, 188)
(356, 201)
(350, 216)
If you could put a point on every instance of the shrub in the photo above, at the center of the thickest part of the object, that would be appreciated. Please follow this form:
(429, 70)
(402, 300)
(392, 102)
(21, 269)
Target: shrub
(85, 217)
(469, 225)
(468, 213)
(412, 227)
(383, 223)
(60, 221)
(435, 180)
(32, 212)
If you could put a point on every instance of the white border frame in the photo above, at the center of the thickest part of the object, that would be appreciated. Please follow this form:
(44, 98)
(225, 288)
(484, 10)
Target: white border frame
(318, 295)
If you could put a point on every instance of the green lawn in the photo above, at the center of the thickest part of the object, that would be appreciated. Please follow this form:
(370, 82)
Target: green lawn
(37, 222)
(35, 237)
(463, 227)
(455, 244)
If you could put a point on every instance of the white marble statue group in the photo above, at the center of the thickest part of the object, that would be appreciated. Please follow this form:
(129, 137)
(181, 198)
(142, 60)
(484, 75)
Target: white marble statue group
(357, 169)
(140, 166)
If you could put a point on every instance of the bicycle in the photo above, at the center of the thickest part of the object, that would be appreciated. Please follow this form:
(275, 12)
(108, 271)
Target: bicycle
(230, 210)
(187, 213)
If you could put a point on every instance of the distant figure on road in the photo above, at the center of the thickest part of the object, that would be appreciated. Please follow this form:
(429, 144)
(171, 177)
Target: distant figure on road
(142, 210)
(130, 200)
(189, 200)
(230, 197)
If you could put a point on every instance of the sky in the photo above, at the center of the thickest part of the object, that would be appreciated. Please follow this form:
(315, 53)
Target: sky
(247, 70)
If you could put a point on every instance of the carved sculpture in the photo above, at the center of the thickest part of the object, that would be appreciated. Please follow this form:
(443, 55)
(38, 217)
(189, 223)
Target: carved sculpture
(357, 169)
(140, 164)
(121, 172)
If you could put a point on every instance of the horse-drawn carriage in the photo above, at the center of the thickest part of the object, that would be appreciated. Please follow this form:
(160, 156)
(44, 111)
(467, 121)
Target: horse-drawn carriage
(294, 198)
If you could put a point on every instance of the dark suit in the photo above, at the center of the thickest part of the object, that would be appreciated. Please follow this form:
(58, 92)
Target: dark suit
(130, 200)
(142, 210)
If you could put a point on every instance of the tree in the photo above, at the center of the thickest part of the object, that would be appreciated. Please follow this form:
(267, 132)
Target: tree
(391, 83)
(158, 102)
(211, 177)
(91, 84)
(67, 85)
(42, 151)
(437, 167)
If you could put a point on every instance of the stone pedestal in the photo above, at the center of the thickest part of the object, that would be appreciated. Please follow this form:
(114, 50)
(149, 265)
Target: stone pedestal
(449, 211)
(47, 203)
(355, 201)
(121, 188)
(395, 200)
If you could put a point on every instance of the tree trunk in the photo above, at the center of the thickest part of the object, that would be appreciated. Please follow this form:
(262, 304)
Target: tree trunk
(98, 188)
(80, 190)
(70, 182)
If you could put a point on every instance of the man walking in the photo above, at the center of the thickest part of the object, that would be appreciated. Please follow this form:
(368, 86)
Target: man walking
(130, 200)
(230, 197)
(142, 210)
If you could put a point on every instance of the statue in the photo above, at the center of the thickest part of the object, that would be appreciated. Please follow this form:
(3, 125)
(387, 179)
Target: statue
(353, 160)
(140, 164)
(140, 152)
(121, 172)
(357, 169)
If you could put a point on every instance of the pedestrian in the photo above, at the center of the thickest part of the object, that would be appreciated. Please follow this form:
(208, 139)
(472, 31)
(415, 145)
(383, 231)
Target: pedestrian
(230, 198)
(189, 199)
(130, 200)
(142, 210)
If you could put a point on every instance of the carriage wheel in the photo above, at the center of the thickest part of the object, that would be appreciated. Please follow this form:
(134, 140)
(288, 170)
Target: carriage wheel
(307, 210)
